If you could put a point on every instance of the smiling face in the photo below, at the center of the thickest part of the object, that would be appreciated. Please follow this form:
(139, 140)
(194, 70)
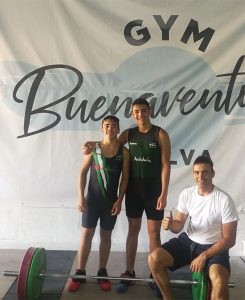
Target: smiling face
(141, 113)
(203, 174)
(110, 128)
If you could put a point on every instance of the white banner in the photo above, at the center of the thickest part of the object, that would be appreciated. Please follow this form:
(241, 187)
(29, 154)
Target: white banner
(66, 64)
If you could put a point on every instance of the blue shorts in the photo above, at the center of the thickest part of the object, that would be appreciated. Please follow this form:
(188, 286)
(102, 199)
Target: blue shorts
(93, 214)
(184, 250)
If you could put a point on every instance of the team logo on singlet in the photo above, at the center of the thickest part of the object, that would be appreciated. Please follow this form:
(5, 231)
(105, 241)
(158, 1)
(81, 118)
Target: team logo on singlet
(119, 157)
(152, 144)
(142, 159)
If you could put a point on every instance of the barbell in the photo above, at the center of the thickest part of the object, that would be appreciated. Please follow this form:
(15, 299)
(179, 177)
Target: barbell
(31, 275)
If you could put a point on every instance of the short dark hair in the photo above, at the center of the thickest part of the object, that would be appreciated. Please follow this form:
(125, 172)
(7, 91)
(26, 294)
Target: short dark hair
(113, 118)
(204, 159)
(141, 101)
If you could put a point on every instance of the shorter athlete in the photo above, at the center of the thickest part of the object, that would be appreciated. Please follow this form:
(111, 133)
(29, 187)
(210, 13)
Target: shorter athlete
(210, 234)
(107, 162)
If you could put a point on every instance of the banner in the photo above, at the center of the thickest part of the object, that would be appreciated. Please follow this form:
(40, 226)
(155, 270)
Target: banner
(64, 65)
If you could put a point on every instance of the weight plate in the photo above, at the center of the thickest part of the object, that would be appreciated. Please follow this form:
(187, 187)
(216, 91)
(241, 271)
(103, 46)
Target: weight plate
(199, 291)
(23, 273)
(35, 282)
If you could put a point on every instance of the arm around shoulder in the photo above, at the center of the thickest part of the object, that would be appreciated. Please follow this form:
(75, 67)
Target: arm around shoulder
(123, 137)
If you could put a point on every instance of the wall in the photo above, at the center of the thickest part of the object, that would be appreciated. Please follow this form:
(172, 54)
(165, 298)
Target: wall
(66, 64)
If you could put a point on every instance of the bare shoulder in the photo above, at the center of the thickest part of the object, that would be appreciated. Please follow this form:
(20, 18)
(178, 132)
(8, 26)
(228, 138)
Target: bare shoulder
(163, 135)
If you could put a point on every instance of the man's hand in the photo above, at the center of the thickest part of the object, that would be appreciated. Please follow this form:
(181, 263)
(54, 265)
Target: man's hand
(161, 203)
(116, 208)
(88, 147)
(167, 221)
(81, 205)
(198, 263)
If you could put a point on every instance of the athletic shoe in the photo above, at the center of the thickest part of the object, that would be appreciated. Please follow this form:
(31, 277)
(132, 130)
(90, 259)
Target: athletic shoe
(127, 274)
(105, 284)
(123, 285)
(156, 291)
(74, 284)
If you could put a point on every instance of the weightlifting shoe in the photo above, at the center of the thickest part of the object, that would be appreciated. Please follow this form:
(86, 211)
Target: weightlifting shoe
(74, 284)
(105, 284)
(123, 285)
(156, 291)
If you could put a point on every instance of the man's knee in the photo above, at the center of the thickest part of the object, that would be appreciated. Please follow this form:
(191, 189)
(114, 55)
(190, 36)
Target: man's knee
(134, 226)
(159, 259)
(219, 276)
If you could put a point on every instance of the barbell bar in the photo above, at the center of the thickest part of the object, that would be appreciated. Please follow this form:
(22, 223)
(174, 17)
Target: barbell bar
(74, 276)
(31, 275)
(150, 280)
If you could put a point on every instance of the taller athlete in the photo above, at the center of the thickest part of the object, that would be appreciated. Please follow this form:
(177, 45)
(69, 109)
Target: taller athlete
(150, 151)
(107, 162)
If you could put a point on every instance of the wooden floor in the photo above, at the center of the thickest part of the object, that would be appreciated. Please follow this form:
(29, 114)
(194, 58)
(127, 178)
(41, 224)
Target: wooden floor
(11, 259)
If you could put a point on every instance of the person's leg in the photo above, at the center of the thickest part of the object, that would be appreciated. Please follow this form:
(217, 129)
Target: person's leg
(159, 260)
(84, 247)
(134, 225)
(219, 277)
(82, 257)
(154, 228)
(105, 247)
(104, 252)
(172, 255)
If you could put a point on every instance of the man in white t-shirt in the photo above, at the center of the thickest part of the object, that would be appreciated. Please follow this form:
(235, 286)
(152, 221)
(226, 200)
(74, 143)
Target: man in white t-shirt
(211, 232)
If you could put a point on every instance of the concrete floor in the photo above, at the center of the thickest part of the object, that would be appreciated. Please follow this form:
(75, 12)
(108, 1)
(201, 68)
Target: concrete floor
(11, 259)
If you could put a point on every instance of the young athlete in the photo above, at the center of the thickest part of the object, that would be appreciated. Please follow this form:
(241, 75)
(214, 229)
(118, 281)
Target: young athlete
(150, 150)
(107, 162)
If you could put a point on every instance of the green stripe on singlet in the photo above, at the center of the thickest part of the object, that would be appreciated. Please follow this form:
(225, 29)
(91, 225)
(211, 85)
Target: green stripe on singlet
(102, 171)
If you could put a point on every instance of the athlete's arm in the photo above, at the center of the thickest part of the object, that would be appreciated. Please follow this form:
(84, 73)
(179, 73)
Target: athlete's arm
(123, 137)
(86, 163)
(123, 183)
(165, 146)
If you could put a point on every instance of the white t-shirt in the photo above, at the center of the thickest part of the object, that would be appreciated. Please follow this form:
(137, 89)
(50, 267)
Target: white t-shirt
(207, 213)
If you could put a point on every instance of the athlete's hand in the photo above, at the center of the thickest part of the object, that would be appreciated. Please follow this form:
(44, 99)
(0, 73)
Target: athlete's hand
(161, 203)
(116, 208)
(88, 147)
(167, 221)
(198, 263)
(81, 205)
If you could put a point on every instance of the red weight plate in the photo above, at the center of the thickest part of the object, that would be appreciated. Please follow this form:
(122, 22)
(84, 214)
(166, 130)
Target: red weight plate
(23, 273)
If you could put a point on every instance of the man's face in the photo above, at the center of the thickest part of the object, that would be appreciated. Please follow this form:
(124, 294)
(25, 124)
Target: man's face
(110, 128)
(141, 113)
(203, 174)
